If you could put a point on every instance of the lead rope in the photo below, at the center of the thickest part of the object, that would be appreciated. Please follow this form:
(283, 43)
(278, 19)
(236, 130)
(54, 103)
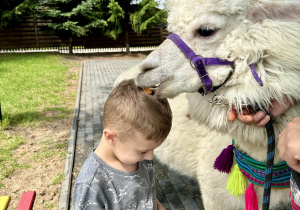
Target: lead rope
(270, 164)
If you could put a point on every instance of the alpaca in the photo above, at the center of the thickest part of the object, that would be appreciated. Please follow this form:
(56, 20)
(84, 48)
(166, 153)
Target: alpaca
(261, 41)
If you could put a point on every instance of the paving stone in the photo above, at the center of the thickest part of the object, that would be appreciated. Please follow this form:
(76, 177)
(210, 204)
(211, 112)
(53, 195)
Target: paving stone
(174, 201)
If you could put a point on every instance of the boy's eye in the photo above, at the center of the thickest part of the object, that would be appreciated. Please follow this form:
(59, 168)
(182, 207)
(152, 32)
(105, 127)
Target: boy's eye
(142, 152)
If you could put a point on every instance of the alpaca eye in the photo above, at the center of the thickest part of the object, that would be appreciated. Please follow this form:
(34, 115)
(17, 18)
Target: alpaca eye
(205, 32)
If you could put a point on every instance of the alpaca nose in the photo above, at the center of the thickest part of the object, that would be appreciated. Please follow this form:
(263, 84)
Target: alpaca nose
(153, 60)
(147, 66)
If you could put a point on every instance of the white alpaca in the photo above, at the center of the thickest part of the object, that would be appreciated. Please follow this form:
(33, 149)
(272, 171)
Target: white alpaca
(265, 33)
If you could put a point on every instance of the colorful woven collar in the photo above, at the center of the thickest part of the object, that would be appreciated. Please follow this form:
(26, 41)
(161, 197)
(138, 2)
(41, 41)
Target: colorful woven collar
(254, 171)
(267, 174)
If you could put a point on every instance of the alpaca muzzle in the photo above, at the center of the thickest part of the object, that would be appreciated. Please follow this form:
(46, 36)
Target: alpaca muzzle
(199, 64)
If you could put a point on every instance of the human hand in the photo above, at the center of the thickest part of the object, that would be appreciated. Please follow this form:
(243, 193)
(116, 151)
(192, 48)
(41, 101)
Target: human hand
(289, 144)
(259, 119)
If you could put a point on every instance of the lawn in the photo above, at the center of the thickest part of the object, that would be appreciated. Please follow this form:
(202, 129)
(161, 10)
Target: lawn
(37, 95)
(31, 85)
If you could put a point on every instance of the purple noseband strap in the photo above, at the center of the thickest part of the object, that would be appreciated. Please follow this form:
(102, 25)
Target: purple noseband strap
(200, 62)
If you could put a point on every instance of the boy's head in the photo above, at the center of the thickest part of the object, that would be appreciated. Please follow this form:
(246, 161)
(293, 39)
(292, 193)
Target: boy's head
(129, 109)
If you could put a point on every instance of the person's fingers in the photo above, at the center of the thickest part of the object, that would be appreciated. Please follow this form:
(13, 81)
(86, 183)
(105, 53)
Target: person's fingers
(287, 148)
(263, 121)
(296, 167)
(280, 144)
(278, 109)
(258, 116)
(260, 119)
(284, 155)
(293, 163)
(296, 120)
(232, 115)
(247, 111)
(247, 119)
(281, 149)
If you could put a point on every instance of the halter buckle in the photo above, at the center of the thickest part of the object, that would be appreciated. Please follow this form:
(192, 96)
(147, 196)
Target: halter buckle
(191, 61)
(216, 99)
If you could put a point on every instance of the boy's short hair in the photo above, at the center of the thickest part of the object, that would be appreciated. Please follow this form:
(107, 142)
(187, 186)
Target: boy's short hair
(129, 108)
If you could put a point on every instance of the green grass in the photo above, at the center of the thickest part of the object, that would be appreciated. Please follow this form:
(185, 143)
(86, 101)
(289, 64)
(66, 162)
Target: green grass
(31, 92)
(8, 162)
(58, 113)
(30, 84)
(73, 75)
(49, 205)
(58, 179)
(49, 150)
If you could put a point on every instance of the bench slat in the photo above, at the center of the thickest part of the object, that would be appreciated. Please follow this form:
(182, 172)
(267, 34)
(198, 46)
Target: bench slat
(4, 202)
(26, 200)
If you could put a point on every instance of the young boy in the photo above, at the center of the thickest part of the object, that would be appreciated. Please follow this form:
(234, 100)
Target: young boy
(118, 174)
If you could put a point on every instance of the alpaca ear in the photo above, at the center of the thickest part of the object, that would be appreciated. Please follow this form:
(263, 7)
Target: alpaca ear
(284, 10)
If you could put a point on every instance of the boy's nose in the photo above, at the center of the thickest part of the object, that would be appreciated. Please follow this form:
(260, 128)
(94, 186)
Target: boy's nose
(149, 155)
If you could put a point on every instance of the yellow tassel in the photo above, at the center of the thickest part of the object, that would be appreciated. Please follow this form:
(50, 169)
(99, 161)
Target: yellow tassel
(236, 182)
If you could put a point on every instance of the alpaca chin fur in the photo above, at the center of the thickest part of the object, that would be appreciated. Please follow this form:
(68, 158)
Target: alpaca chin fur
(265, 33)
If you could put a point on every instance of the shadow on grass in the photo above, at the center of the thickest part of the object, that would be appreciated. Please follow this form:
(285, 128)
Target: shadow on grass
(32, 117)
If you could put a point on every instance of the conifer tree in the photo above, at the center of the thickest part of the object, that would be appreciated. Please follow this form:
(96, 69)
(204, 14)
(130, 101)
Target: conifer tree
(73, 18)
(145, 15)
(140, 15)
(11, 11)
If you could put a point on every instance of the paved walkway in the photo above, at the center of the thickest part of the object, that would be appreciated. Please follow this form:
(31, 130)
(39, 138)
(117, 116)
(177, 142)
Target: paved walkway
(175, 192)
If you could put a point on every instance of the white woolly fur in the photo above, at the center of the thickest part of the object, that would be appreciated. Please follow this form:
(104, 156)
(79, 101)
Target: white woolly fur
(265, 33)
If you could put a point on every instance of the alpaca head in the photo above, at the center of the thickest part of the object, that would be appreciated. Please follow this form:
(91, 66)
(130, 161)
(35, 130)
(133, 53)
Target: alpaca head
(265, 33)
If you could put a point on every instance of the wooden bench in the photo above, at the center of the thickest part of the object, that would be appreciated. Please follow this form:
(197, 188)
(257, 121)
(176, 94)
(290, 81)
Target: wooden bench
(26, 201)
(4, 202)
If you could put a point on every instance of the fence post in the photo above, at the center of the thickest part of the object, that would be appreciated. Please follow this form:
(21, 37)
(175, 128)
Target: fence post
(161, 35)
(70, 44)
(126, 39)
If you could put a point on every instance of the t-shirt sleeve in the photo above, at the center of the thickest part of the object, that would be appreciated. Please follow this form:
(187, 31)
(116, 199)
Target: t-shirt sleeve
(87, 197)
(295, 189)
(87, 192)
(296, 176)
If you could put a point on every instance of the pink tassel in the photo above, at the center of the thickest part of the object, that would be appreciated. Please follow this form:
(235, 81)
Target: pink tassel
(224, 161)
(250, 198)
(294, 205)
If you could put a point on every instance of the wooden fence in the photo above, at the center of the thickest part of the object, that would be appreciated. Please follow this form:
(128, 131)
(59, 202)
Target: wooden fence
(29, 35)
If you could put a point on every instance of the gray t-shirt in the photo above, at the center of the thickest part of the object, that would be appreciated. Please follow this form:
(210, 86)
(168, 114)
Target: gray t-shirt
(99, 186)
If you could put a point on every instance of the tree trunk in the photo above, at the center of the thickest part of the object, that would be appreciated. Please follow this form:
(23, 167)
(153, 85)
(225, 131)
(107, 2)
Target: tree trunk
(126, 38)
(70, 44)
(126, 21)
(35, 31)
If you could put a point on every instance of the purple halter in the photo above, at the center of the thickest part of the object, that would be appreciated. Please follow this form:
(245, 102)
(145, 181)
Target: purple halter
(200, 63)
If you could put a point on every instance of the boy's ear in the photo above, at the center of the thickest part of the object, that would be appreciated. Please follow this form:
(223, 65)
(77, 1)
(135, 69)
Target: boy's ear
(110, 136)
